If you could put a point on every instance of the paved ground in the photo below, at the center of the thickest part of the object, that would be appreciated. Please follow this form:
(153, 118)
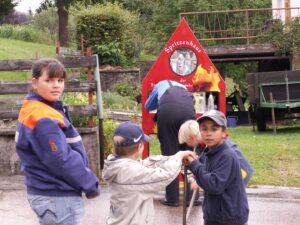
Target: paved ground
(268, 205)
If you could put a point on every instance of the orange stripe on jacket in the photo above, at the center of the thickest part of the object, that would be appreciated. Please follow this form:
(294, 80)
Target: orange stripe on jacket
(32, 111)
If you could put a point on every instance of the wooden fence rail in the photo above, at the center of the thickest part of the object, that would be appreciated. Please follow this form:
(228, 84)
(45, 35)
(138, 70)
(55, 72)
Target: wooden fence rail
(26, 64)
(12, 94)
(13, 87)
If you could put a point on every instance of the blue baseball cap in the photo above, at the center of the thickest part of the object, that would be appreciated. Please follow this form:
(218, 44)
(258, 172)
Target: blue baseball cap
(131, 132)
(217, 116)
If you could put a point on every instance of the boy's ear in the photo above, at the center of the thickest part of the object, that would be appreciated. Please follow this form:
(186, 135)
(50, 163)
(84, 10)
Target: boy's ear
(141, 145)
(34, 83)
(225, 133)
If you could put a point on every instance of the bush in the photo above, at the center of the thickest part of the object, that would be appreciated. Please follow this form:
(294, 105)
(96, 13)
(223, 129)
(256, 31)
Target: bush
(6, 31)
(123, 88)
(24, 33)
(282, 36)
(108, 131)
(110, 31)
(115, 101)
(110, 53)
(47, 21)
(126, 89)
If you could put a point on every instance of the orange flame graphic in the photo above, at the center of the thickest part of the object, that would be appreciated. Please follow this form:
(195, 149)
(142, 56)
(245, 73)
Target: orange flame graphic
(154, 129)
(206, 80)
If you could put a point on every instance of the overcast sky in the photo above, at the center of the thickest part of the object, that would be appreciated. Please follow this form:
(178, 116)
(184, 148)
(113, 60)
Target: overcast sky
(25, 5)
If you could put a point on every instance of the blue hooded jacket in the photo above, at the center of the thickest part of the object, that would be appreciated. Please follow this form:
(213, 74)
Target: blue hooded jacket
(218, 173)
(51, 150)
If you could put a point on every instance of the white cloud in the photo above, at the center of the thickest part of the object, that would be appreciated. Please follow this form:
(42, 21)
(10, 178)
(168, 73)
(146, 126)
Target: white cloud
(25, 5)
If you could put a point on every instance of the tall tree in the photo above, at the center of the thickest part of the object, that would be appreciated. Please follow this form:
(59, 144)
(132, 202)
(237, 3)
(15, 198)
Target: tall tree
(6, 7)
(63, 17)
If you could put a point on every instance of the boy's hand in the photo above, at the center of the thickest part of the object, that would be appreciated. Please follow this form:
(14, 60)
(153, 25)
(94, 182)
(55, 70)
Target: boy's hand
(192, 182)
(190, 158)
(94, 195)
(186, 156)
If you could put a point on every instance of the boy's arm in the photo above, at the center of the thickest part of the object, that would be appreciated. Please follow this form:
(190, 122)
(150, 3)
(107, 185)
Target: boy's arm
(152, 100)
(151, 179)
(158, 160)
(215, 181)
(63, 162)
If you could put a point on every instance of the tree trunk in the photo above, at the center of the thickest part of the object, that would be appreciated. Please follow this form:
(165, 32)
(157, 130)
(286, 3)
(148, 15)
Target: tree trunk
(63, 17)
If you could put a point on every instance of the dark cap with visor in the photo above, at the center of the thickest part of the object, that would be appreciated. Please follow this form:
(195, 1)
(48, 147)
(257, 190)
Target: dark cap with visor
(131, 132)
(217, 116)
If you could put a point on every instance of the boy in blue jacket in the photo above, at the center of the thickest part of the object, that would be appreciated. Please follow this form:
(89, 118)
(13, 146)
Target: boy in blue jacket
(51, 150)
(219, 174)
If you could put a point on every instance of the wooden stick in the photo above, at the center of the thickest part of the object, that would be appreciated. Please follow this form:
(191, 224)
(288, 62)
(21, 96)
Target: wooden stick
(273, 113)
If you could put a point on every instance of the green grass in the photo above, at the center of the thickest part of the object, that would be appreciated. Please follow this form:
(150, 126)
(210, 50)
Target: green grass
(14, 49)
(274, 157)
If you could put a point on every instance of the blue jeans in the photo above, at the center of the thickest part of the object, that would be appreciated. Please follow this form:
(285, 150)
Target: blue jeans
(67, 210)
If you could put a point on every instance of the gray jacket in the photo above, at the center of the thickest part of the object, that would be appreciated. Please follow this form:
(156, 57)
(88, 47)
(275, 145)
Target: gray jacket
(133, 184)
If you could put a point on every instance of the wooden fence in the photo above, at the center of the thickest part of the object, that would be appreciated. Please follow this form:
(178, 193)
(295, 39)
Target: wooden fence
(10, 100)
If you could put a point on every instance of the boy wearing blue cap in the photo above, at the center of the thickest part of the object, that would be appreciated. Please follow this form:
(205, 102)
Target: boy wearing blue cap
(133, 182)
(219, 174)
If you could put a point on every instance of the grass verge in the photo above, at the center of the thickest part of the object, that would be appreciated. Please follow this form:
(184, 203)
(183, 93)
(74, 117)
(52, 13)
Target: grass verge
(274, 157)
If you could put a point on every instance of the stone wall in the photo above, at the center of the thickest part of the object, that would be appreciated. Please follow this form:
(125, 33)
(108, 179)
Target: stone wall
(145, 66)
(10, 163)
(109, 78)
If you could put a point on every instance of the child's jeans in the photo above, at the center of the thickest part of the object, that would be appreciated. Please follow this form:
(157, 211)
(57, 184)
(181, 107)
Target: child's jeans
(66, 210)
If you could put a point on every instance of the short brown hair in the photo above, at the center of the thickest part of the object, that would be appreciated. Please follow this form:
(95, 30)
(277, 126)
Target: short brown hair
(53, 67)
(121, 150)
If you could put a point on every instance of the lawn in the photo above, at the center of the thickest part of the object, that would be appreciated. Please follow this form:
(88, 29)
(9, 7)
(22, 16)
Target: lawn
(274, 157)
(14, 49)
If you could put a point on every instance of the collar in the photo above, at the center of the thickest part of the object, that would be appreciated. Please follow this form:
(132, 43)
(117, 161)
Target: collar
(216, 149)
(34, 96)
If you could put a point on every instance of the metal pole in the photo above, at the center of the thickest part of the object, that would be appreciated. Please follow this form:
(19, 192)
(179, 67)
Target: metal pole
(100, 111)
(287, 87)
(184, 195)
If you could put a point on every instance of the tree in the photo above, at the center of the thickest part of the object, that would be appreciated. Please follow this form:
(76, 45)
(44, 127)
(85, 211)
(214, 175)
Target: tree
(6, 7)
(63, 17)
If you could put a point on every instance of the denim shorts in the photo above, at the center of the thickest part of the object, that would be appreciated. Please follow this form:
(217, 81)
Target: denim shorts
(67, 210)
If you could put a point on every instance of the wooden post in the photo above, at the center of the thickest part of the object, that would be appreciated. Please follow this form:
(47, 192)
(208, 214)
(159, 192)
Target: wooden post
(82, 44)
(58, 49)
(247, 26)
(90, 94)
(287, 13)
(273, 113)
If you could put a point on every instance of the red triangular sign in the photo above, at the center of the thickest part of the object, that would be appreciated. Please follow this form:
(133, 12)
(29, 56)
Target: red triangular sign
(184, 60)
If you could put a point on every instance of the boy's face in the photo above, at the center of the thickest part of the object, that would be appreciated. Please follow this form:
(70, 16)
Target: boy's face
(48, 88)
(192, 142)
(212, 134)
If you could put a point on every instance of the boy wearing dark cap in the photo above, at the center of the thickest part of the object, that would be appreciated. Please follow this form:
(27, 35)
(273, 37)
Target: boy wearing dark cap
(134, 182)
(219, 174)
